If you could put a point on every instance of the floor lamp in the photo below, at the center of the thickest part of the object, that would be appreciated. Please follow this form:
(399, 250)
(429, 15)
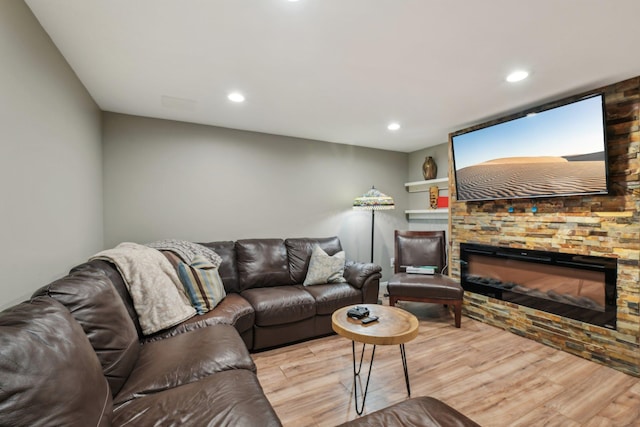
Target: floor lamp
(373, 200)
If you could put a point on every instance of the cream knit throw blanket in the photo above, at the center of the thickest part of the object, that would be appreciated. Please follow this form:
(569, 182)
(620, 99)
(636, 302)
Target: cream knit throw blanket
(156, 290)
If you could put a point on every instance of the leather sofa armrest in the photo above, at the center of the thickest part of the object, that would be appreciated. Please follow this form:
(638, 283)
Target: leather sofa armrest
(358, 273)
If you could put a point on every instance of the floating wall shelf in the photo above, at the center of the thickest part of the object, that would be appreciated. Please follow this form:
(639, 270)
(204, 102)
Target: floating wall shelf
(442, 213)
(417, 186)
(422, 186)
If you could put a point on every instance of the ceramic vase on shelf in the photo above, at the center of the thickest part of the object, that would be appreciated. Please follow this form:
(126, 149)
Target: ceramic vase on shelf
(429, 168)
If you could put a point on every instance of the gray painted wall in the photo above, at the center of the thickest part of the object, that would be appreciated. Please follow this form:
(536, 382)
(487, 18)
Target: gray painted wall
(50, 162)
(165, 179)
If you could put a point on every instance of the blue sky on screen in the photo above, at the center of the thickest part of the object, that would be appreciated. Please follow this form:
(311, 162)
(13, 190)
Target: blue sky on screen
(567, 130)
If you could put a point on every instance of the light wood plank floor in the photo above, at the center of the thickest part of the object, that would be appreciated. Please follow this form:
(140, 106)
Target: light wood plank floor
(494, 377)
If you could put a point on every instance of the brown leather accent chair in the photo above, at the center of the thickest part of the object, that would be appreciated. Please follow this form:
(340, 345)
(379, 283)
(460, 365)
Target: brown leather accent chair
(419, 248)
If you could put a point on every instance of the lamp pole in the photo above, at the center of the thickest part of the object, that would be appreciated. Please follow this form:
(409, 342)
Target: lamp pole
(373, 200)
(373, 219)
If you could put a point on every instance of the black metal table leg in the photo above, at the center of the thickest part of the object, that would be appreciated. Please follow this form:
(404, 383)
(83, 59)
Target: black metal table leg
(398, 328)
(356, 375)
(403, 354)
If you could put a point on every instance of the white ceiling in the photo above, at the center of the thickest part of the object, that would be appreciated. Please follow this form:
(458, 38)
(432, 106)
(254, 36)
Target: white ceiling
(341, 70)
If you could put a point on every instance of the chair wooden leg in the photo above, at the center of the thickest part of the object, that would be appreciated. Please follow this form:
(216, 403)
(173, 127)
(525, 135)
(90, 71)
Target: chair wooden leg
(457, 310)
(393, 300)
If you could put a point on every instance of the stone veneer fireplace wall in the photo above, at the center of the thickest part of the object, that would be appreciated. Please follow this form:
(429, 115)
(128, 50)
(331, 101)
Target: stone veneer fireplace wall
(607, 226)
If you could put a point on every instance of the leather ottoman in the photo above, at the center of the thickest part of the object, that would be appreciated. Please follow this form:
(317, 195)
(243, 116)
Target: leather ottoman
(418, 412)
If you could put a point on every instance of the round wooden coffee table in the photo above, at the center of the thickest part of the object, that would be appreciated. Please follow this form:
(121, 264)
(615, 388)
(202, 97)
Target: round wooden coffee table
(395, 326)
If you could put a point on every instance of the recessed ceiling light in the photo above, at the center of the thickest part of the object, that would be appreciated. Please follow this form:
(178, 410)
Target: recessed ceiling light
(236, 97)
(516, 76)
(393, 126)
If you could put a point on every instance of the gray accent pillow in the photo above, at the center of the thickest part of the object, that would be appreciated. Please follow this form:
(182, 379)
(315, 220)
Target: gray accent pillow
(324, 268)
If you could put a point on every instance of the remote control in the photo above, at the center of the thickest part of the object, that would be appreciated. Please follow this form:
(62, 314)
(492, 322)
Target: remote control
(367, 320)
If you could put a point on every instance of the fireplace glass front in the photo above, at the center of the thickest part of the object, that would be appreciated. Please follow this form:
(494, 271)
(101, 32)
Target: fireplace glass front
(579, 287)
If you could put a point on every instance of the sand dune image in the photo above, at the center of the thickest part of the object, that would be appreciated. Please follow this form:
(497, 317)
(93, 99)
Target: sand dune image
(517, 177)
(511, 160)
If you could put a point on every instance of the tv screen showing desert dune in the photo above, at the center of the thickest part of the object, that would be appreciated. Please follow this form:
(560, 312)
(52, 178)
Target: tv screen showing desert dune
(557, 152)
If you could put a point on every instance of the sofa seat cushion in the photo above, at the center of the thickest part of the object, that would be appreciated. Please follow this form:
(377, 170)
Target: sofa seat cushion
(233, 310)
(228, 398)
(93, 301)
(49, 373)
(185, 358)
(415, 412)
(280, 304)
(330, 297)
(424, 286)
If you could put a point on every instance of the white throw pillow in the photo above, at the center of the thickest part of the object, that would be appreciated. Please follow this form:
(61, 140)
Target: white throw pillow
(324, 268)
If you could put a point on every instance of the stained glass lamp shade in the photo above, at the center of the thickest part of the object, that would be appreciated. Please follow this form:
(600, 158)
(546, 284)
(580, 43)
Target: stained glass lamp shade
(373, 200)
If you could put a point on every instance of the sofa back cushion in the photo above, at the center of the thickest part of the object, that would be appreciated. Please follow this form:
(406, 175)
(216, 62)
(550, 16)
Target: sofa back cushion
(299, 254)
(262, 263)
(49, 374)
(117, 281)
(94, 303)
(227, 270)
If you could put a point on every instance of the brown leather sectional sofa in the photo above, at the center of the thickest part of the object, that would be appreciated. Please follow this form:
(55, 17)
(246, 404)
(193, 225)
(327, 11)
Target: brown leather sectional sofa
(75, 355)
(266, 301)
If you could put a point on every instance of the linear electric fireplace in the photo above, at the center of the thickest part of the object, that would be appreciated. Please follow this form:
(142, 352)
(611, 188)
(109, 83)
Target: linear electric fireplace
(579, 287)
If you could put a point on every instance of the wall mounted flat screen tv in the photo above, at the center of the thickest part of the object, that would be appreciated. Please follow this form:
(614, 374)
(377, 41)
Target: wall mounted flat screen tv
(560, 151)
